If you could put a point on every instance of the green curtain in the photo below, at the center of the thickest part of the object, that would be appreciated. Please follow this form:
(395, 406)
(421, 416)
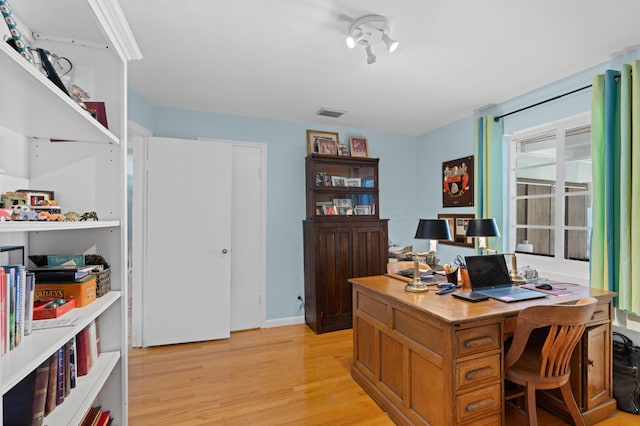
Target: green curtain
(489, 194)
(615, 238)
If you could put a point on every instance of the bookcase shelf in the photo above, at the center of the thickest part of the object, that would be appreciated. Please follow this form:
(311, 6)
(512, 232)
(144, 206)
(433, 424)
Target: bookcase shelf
(51, 113)
(31, 226)
(87, 171)
(37, 347)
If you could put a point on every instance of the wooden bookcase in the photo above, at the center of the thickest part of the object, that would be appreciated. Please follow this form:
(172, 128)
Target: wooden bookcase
(343, 240)
(87, 171)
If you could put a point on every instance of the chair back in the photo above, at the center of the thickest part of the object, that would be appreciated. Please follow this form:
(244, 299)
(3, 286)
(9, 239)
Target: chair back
(566, 324)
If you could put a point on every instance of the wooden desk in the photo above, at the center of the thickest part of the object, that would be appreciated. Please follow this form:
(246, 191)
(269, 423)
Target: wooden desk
(436, 360)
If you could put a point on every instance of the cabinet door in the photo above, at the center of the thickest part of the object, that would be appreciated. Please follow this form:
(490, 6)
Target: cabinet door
(332, 272)
(370, 250)
(598, 352)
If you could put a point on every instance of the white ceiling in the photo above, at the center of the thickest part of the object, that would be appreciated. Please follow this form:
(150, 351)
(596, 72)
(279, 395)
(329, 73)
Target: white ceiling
(285, 59)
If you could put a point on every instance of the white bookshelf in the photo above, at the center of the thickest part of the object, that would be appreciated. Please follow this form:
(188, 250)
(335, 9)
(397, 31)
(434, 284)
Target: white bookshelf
(87, 172)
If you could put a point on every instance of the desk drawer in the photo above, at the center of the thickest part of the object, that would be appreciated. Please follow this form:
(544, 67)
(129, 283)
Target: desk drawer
(478, 339)
(472, 372)
(602, 312)
(479, 402)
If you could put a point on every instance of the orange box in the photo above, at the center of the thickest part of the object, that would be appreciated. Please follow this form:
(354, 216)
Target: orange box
(41, 312)
(83, 291)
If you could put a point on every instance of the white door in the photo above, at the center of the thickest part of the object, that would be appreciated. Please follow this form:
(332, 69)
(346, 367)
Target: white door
(187, 260)
(246, 236)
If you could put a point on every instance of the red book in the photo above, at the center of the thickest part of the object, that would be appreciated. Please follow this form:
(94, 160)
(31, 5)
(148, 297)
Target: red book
(104, 418)
(82, 353)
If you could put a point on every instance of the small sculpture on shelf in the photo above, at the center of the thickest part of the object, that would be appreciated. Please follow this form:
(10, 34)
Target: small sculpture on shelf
(89, 216)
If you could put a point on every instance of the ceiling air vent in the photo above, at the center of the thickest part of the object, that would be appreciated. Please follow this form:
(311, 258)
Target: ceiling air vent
(326, 112)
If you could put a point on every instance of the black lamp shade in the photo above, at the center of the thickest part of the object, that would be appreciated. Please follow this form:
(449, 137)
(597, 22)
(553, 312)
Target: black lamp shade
(433, 229)
(482, 228)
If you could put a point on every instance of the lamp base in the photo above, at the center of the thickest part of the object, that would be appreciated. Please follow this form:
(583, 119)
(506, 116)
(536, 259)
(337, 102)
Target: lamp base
(416, 286)
(518, 279)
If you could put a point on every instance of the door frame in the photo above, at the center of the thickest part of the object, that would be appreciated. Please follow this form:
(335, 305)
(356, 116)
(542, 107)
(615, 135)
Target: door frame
(137, 142)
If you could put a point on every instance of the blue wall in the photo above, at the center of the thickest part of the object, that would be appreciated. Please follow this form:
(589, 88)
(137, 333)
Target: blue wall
(410, 168)
(286, 150)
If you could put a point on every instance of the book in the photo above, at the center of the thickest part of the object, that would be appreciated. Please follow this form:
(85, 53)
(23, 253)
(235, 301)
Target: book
(105, 418)
(30, 287)
(73, 372)
(50, 400)
(61, 376)
(92, 416)
(83, 362)
(60, 273)
(3, 313)
(24, 403)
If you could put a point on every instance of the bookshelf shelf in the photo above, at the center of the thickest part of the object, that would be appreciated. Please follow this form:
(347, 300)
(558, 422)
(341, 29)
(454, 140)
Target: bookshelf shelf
(58, 116)
(30, 226)
(37, 347)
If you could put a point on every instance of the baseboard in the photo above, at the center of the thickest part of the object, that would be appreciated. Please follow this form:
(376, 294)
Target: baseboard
(283, 321)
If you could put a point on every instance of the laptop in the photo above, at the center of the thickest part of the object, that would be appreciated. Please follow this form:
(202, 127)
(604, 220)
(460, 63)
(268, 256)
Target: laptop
(489, 276)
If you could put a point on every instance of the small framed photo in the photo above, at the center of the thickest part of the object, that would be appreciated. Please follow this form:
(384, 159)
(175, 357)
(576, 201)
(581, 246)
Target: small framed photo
(338, 181)
(345, 211)
(353, 182)
(343, 150)
(343, 202)
(359, 146)
(363, 210)
(320, 142)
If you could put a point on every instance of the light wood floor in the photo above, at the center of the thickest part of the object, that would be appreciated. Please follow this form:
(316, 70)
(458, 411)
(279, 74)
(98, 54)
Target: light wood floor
(277, 376)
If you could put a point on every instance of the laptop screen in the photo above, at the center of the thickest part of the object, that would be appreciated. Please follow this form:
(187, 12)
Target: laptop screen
(487, 271)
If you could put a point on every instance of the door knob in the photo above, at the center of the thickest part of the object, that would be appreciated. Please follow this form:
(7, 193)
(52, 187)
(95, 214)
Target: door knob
(224, 251)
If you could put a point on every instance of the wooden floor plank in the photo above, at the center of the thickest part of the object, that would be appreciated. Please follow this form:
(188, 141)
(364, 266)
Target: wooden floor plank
(277, 376)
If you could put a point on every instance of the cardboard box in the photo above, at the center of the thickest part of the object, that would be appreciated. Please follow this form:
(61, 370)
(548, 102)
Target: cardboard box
(40, 310)
(83, 291)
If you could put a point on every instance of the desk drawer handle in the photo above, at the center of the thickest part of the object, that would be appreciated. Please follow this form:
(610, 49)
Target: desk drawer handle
(479, 342)
(480, 405)
(479, 373)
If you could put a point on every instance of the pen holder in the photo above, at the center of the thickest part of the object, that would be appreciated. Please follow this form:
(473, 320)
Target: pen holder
(452, 277)
(464, 279)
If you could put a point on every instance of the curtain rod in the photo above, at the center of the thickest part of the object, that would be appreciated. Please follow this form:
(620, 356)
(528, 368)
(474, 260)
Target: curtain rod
(496, 118)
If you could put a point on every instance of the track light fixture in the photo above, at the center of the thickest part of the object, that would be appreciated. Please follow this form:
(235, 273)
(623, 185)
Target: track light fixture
(369, 30)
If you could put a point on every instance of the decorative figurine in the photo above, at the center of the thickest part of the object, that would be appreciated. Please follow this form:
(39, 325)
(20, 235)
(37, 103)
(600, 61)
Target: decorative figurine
(89, 215)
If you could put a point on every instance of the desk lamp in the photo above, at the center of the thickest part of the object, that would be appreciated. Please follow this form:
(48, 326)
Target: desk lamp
(428, 229)
(482, 228)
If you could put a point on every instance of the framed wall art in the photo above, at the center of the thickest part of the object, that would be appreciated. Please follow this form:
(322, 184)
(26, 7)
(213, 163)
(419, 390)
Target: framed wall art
(359, 146)
(457, 182)
(458, 225)
(320, 142)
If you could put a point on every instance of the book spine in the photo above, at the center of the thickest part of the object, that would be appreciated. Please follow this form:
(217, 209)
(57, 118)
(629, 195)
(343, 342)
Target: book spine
(67, 368)
(40, 395)
(61, 375)
(20, 274)
(50, 403)
(29, 295)
(57, 276)
(73, 363)
(82, 352)
(7, 307)
(3, 314)
(12, 310)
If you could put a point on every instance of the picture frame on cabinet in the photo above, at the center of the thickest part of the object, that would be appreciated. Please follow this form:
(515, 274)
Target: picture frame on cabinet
(321, 142)
(343, 150)
(343, 202)
(359, 146)
(362, 210)
(345, 211)
(338, 181)
(353, 182)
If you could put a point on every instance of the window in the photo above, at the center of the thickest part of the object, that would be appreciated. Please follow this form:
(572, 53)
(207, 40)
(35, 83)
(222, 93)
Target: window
(550, 189)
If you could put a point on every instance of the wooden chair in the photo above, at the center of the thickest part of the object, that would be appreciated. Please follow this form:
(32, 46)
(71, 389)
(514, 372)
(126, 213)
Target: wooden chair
(395, 267)
(540, 351)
